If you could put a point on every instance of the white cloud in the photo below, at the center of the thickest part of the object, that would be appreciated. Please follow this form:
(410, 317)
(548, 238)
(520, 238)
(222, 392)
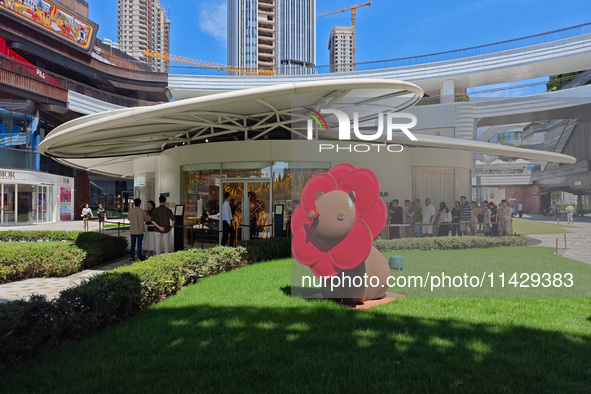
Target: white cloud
(213, 20)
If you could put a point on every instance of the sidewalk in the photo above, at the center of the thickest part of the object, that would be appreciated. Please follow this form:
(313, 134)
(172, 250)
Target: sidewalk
(578, 238)
(69, 225)
(51, 287)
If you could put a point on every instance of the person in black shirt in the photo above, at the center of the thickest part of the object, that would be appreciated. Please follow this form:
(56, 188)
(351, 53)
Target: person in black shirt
(395, 216)
(493, 218)
(455, 219)
(101, 217)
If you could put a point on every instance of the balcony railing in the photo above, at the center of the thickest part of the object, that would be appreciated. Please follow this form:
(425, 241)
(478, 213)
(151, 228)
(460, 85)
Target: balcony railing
(41, 82)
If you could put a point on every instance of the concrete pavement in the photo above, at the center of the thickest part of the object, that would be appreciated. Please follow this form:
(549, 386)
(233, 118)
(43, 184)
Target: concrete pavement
(51, 287)
(578, 238)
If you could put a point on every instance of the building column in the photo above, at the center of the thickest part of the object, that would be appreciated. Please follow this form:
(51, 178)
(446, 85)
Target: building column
(447, 91)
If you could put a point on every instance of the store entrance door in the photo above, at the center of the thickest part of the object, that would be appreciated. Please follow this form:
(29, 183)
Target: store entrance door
(251, 203)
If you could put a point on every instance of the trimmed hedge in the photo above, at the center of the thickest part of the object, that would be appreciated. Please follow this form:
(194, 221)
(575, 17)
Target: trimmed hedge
(38, 235)
(165, 274)
(100, 248)
(268, 249)
(22, 260)
(446, 243)
(28, 327)
(32, 260)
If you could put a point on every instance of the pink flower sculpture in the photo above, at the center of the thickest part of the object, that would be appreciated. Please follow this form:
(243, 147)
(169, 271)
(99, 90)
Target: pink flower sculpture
(339, 215)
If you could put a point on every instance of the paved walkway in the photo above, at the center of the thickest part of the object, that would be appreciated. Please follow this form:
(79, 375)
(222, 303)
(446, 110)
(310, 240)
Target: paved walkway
(578, 238)
(70, 225)
(51, 287)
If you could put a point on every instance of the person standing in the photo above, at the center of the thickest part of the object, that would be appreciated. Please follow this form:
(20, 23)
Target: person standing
(149, 233)
(101, 213)
(409, 219)
(418, 216)
(137, 218)
(494, 218)
(487, 220)
(504, 216)
(553, 208)
(474, 218)
(465, 209)
(395, 216)
(227, 221)
(520, 210)
(86, 214)
(444, 218)
(569, 213)
(428, 218)
(163, 221)
(455, 219)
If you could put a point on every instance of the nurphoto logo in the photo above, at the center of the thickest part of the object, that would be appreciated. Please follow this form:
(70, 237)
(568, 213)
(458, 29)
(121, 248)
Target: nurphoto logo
(345, 130)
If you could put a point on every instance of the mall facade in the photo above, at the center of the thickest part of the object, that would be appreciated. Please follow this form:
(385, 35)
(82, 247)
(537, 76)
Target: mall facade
(52, 73)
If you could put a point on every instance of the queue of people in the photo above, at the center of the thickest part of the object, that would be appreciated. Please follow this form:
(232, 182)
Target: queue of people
(464, 218)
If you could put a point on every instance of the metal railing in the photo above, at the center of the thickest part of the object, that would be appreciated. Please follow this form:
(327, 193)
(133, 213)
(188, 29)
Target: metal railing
(22, 75)
(521, 42)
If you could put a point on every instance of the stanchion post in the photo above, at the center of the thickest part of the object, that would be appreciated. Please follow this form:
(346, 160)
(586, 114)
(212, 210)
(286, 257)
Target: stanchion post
(565, 242)
(118, 229)
(557, 246)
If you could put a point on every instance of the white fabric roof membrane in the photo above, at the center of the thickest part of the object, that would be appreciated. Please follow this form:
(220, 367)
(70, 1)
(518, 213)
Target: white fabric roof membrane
(108, 142)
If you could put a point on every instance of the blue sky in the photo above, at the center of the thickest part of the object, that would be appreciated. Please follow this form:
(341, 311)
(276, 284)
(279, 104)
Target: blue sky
(388, 29)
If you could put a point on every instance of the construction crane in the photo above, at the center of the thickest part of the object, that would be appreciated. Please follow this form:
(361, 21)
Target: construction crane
(353, 9)
(203, 63)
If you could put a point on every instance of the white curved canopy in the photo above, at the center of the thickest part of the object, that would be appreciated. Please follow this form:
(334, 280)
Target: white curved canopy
(108, 142)
(245, 114)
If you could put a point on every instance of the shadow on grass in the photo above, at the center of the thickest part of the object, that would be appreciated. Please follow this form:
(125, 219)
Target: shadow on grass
(316, 349)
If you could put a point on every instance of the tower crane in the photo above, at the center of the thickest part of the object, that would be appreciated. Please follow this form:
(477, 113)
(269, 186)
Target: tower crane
(353, 9)
(204, 63)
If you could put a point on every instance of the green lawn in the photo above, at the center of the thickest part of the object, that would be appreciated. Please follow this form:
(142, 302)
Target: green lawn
(112, 226)
(242, 332)
(526, 226)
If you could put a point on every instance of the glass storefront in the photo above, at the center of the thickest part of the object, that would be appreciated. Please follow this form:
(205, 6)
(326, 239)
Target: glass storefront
(24, 203)
(8, 203)
(26, 211)
(254, 187)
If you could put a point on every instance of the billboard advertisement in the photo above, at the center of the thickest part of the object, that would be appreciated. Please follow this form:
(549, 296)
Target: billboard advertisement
(53, 20)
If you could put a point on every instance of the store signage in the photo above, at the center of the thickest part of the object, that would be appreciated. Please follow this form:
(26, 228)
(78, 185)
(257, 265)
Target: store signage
(7, 174)
(53, 20)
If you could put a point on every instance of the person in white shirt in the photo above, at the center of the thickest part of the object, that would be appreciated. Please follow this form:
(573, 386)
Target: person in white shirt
(86, 214)
(428, 218)
(443, 221)
(227, 221)
(569, 213)
(520, 209)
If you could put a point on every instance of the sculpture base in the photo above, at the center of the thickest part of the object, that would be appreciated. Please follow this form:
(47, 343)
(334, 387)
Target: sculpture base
(390, 297)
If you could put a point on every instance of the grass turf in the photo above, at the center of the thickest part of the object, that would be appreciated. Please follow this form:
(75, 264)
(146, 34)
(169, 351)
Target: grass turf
(525, 226)
(241, 331)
